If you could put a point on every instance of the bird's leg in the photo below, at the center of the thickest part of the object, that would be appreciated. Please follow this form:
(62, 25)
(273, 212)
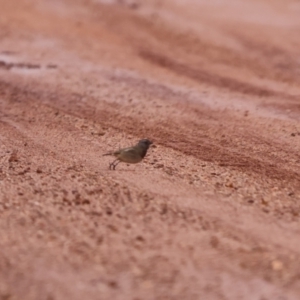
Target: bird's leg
(112, 165)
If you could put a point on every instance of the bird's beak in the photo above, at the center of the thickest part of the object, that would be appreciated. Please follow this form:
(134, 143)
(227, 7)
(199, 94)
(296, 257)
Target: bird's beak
(152, 145)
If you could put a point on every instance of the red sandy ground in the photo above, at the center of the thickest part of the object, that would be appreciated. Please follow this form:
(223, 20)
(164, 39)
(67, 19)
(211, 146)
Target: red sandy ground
(213, 210)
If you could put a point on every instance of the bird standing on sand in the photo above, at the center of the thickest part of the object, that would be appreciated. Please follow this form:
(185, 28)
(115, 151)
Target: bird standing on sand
(131, 155)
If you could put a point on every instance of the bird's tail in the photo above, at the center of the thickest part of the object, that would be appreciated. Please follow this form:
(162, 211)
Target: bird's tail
(108, 153)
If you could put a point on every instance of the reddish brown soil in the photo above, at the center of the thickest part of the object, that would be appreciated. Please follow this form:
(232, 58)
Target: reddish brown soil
(213, 212)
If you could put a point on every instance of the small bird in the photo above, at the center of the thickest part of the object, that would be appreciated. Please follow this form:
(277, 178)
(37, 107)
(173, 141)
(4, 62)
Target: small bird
(131, 155)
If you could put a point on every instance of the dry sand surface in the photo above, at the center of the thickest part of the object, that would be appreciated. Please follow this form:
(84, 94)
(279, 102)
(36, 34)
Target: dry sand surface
(213, 212)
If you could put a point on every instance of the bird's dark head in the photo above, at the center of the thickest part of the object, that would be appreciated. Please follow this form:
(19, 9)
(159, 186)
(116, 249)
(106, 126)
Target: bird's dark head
(145, 143)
